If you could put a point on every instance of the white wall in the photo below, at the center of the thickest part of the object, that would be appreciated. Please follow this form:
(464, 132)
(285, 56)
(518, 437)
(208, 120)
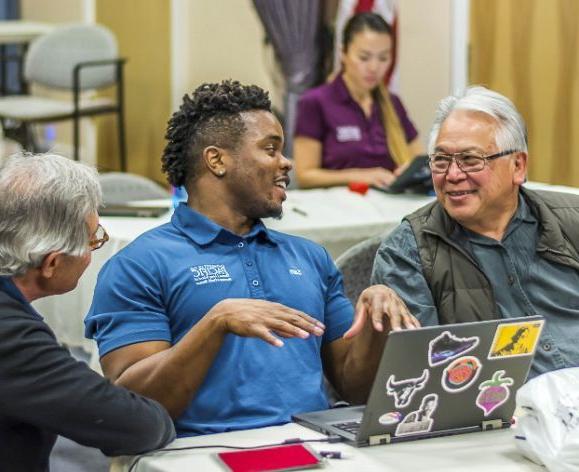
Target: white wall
(425, 58)
(215, 40)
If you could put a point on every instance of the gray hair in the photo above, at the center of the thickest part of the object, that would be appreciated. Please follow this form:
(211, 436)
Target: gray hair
(44, 202)
(511, 132)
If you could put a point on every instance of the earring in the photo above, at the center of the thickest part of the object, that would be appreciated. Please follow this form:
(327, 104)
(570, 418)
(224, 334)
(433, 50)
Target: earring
(221, 172)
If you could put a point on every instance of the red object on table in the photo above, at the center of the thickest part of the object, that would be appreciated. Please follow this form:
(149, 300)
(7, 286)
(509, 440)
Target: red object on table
(359, 187)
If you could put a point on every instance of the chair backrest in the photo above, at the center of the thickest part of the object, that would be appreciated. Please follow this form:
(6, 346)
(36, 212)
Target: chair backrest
(356, 266)
(119, 188)
(51, 58)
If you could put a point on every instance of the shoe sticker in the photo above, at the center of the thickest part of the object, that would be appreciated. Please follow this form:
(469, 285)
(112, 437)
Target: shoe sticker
(494, 392)
(392, 417)
(404, 390)
(516, 339)
(460, 374)
(419, 421)
(447, 346)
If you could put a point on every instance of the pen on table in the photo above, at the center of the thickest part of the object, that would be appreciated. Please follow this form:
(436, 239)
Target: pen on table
(299, 211)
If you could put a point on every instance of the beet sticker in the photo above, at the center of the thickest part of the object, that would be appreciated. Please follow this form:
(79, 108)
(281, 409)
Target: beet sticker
(419, 421)
(494, 392)
(516, 339)
(447, 346)
(460, 374)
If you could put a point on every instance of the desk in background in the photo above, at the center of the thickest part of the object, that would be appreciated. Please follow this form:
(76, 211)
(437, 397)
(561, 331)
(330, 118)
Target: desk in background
(475, 452)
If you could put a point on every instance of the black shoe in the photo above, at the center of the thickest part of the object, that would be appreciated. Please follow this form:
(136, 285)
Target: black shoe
(446, 346)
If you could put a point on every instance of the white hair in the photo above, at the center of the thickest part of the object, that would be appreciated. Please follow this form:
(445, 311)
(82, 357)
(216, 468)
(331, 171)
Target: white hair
(45, 200)
(511, 131)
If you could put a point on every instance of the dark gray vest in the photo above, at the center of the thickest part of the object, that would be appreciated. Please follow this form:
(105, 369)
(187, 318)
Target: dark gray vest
(461, 291)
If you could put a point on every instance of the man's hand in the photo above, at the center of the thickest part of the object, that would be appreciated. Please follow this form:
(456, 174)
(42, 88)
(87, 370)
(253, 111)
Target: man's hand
(379, 302)
(261, 318)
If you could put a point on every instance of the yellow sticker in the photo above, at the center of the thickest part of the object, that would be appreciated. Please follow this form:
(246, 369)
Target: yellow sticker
(516, 339)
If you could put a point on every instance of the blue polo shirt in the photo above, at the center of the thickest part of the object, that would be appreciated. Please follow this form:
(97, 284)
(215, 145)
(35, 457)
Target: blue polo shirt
(349, 138)
(166, 280)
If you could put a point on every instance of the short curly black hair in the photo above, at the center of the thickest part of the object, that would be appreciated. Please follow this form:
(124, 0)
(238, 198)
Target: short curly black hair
(210, 116)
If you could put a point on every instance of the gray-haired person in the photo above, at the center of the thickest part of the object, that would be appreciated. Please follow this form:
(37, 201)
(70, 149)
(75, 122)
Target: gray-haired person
(48, 227)
(488, 247)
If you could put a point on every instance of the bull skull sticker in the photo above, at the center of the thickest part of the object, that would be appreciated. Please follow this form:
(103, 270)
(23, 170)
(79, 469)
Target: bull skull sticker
(404, 390)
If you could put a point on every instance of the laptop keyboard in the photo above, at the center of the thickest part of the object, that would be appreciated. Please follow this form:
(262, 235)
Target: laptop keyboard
(350, 427)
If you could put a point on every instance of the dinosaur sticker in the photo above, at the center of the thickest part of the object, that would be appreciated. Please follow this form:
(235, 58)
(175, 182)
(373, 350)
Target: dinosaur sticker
(516, 339)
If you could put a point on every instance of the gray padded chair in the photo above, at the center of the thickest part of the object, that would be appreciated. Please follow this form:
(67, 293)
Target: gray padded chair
(119, 188)
(356, 266)
(75, 58)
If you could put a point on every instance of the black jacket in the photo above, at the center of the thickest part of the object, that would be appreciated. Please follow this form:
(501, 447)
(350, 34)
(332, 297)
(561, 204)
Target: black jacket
(45, 392)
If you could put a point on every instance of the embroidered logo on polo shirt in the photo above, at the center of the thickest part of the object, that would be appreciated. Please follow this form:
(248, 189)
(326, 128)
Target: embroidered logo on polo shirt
(348, 133)
(210, 273)
(295, 271)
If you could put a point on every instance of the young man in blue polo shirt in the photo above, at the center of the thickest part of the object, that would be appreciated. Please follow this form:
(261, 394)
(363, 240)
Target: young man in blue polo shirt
(228, 324)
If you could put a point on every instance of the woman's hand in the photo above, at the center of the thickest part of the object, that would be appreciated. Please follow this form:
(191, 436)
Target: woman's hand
(375, 176)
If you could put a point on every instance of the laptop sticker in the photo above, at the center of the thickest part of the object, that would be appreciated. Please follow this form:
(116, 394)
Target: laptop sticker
(404, 390)
(494, 392)
(447, 346)
(419, 421)
(460, 374)
(515, 339)
(392, 417)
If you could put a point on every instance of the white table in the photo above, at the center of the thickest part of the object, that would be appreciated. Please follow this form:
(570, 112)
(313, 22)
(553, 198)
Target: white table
(475, 452)
(335, 218)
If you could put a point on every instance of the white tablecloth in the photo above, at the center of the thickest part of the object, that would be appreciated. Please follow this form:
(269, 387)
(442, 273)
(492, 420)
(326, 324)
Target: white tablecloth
(335, 218)
(475, 452)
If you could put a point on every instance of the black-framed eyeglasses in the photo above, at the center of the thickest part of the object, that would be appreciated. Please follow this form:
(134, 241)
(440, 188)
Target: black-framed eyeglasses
(467, 162)
(99, 239)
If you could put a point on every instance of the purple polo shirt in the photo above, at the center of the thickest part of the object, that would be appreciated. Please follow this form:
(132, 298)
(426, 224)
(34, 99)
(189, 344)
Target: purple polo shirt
(349, 139)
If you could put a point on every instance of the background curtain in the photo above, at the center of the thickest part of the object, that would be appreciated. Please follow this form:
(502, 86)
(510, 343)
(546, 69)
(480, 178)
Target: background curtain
(528, 50)
(10, 10)
(294, 29)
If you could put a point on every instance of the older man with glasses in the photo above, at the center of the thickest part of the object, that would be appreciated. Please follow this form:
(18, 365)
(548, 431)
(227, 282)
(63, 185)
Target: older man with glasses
(48, 228)
(487, 248)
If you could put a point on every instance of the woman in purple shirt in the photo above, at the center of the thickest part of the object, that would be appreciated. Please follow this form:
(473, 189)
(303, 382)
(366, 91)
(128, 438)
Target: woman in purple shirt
(352, 129)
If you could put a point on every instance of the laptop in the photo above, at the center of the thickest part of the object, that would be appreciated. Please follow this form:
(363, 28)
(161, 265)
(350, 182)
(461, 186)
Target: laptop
(133, 210)
(438, 381)
(416, 178)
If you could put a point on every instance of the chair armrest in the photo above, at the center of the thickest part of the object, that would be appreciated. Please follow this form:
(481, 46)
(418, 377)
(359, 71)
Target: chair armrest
(117, 62)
